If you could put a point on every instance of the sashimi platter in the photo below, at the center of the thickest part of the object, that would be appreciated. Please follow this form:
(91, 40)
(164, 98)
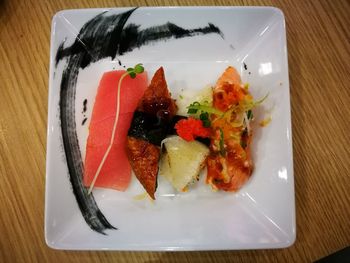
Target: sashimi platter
(161, 122)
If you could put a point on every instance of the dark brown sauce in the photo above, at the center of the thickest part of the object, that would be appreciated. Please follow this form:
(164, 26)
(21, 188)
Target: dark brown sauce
(158, 106)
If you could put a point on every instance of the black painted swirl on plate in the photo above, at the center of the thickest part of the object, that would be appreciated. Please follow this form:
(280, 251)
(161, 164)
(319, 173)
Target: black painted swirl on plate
(102, 36)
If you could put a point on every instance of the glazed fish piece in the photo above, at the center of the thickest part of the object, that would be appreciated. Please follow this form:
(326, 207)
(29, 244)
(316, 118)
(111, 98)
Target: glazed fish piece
(148, 128)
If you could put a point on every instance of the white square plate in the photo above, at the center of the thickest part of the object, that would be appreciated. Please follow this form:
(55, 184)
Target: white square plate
(198, 43)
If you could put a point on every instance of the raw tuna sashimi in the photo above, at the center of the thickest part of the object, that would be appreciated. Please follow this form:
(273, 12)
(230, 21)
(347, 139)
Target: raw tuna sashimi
(116, 171)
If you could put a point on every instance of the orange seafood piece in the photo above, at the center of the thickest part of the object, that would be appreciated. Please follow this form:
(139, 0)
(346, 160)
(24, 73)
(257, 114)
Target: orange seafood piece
(229, 173)
(230, 76)
(229, 164)
(228, 90)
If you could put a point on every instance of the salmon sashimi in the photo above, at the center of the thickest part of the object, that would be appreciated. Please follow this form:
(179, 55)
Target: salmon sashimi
(228, 90)
(149, 127)
(116, 171)
(230, 164)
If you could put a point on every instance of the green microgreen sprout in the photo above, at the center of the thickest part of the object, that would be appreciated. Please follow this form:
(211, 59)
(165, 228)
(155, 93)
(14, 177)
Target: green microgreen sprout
(196, 106)
(222, 145)
(204, 117)
(132, 72)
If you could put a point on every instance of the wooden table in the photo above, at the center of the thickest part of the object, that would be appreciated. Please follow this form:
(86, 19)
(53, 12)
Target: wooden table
(318, 35)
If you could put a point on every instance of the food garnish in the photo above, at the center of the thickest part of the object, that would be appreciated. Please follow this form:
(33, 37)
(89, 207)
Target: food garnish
(222, 143)
(196, 106)
(189, 129)
(265, 122)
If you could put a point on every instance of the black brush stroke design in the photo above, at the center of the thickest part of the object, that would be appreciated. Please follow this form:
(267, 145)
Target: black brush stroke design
(133, 37)
(102, 36)
(88, 47)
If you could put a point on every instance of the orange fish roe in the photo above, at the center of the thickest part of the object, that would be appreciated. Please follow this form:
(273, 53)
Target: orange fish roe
(189, 129)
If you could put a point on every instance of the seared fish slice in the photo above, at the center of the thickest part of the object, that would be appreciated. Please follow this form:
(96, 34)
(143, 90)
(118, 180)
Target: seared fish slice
(149, 127)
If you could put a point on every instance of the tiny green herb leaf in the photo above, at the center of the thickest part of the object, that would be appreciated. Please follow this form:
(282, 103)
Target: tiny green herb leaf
(139, 68)
(192, 111)
(261, 100)
(222, 146)
(195, 106)
(204, 117)
(132, 74)
(136, 70)
(249, 114)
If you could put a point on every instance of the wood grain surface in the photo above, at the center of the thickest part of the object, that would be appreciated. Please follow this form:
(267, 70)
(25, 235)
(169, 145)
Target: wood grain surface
(318, 34)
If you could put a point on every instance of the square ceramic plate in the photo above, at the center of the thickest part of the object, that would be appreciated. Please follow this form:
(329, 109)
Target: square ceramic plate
(194, 45)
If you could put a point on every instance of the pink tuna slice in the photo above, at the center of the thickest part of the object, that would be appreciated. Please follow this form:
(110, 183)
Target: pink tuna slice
(116, 171)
